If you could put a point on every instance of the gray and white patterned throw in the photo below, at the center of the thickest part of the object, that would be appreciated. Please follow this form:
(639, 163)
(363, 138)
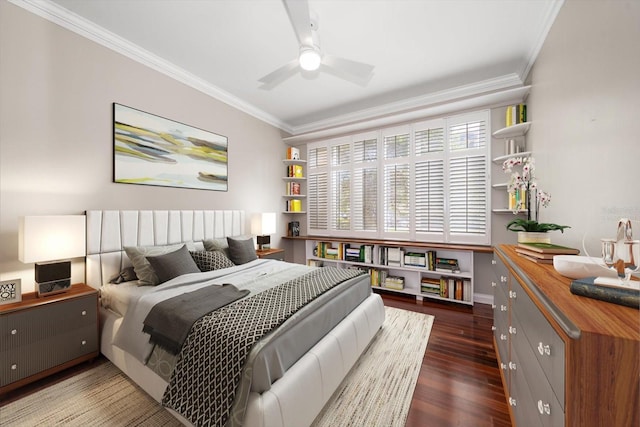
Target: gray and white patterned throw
(210, 365)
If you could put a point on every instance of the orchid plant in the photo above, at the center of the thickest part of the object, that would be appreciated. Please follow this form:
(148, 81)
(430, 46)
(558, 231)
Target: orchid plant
(520, 188)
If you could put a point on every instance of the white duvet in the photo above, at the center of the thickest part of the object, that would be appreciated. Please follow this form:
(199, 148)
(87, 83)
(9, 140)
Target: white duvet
(256, 276)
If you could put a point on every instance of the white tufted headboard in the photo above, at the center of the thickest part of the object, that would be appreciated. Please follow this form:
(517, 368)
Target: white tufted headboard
(108, 232)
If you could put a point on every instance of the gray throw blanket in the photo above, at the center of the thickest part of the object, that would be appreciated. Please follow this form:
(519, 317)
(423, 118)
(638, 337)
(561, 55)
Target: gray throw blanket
(170, 321)
(207, 386)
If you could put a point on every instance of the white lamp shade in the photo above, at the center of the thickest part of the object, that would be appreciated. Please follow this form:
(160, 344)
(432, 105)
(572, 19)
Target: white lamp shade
(51, 238)
(263, 224)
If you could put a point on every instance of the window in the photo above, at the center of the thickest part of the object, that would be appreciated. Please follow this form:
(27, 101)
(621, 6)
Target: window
(427, 181)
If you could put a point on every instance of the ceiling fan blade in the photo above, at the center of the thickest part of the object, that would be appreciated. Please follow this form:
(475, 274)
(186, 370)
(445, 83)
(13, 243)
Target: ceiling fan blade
(298, 11)
(353, 71)
(273, 79)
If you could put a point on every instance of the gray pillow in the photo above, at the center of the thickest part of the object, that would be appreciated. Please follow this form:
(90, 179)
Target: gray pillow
(211, 260)
(173, 264)
(125, 275)
(217, 245)
(137, 255)
(241, 251)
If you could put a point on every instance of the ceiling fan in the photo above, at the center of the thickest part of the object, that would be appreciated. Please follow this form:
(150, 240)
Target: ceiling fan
(310, 57)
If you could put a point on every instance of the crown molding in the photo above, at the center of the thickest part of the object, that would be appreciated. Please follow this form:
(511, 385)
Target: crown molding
(414, 103)
(85, 28)
(549, 19)
(489, 99)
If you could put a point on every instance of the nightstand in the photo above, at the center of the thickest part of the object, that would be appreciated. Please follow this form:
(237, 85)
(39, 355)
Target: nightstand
(41, 336)
(272, 253)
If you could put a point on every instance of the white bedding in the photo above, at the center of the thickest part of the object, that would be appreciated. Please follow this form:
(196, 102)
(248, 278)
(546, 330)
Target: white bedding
(255, 276)
(293, 400)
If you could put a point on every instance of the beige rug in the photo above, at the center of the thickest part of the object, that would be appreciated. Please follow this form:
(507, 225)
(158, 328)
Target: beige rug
(377, 391)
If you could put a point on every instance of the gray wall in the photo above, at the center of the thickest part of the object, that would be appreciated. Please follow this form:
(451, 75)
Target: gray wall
(56, 155)
(584, 105)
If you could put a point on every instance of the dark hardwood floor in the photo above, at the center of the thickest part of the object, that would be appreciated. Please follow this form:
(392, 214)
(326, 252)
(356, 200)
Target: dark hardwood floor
(459, 382)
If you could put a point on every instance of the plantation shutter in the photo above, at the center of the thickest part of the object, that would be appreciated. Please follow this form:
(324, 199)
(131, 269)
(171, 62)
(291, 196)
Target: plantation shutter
(317, 189)
(429, 187)
(396, 184)
(468, 179)
(340, 187)
(365, 185)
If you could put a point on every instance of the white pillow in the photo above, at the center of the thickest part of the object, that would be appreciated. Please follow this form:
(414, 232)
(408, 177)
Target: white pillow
(138, 256)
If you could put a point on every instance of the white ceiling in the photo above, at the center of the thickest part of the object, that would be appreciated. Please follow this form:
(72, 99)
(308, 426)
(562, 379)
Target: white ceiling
(427, 51)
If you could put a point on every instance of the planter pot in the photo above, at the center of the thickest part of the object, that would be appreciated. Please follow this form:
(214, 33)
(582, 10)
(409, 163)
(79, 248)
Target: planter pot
(533, 237)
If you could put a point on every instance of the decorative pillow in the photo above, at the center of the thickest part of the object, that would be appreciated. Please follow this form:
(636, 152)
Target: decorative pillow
(211, 260)
(173, 264)
(125, 275)
(241, 251)
(221, 245)
(137, 255)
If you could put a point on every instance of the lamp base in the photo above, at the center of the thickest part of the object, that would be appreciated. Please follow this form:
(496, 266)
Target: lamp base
(264, 242)
(53, 278)
(54, 287)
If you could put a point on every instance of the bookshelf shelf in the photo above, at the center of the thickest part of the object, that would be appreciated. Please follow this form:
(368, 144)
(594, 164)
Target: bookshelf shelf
(514, 139)
(512, 131)
(388, 260)
(294, 185)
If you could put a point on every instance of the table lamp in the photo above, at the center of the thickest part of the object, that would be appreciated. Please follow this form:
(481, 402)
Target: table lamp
(262, 225)
(50, 241)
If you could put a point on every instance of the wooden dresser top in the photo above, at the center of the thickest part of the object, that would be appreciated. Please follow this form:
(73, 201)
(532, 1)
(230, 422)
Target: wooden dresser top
(586, 314)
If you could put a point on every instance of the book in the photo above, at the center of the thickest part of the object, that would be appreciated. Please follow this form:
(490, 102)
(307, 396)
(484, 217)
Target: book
(536, 259)
(549, 248)
(534, 254)
(293, 153)
(622, 296)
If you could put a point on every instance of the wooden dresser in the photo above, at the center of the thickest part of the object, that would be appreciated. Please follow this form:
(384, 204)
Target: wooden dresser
(565, 360)
(41, 336)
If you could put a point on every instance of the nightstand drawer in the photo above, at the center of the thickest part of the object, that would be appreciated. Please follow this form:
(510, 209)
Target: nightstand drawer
(40, 336)
(38, 323)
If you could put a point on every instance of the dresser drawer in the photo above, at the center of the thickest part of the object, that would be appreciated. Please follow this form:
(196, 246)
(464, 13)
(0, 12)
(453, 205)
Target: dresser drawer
(46, 335)
(501, 324)
(39, 323)
(543, 397)
(548, 346)
(520, 399)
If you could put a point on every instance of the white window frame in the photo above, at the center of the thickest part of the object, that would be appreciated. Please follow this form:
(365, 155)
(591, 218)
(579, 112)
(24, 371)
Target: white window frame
(446, 236)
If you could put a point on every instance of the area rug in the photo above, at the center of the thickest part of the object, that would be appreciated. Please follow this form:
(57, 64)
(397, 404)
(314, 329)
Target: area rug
(377, 391)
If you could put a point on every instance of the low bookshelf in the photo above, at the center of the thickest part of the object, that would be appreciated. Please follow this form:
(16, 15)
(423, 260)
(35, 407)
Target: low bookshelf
(420, 269)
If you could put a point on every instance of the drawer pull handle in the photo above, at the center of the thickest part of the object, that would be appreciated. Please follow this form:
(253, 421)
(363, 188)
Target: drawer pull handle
(503, 307)
(503, 337)
(503, 366)
(512, 330)
(544, 349)
(14, 367)
(503, 279)
(512, 401)
(512, 366)
(493, 328)
(493, 284)
(84, 342)
(84, 312)
(512, 294)
(493, 306)
(544, 408)
(493, 262)
(14, 332)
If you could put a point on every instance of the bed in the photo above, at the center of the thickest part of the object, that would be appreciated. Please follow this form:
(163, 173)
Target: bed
(323, 339)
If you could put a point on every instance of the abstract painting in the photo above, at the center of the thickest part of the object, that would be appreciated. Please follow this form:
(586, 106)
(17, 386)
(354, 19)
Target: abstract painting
(152, 150)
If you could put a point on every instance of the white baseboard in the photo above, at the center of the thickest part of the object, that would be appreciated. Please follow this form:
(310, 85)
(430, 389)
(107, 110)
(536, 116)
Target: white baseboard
(483, 299)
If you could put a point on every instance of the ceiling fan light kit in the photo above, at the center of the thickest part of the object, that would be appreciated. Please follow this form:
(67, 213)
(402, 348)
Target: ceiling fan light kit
(305, 27)
(309, 58)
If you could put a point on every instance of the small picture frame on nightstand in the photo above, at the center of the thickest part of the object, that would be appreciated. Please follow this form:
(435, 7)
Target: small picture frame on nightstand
(10, 291)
